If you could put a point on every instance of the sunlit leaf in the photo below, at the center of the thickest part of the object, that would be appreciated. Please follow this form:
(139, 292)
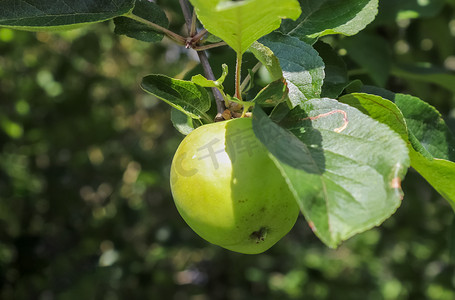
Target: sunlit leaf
(302, 66)
(186, 96)
(268, 60)
(240, 23)
(430, 142)
(323, 17)
(344, 168)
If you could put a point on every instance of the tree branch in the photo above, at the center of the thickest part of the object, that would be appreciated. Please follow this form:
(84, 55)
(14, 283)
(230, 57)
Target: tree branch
(209, 46)
(204, 61)
(193, 29)
(199, 35)
(186, 14)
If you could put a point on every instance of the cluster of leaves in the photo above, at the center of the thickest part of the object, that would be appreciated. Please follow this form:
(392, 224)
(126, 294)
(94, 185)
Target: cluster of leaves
(336, 154)
(83, 163)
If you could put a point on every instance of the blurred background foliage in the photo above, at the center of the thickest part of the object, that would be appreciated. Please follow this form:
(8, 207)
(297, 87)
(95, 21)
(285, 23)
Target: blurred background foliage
(85, 205)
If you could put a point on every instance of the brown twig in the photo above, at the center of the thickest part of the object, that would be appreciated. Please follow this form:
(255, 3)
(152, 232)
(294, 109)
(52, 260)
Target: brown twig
(209, 46)
(204, 61)
(199, 35)
(193, 29)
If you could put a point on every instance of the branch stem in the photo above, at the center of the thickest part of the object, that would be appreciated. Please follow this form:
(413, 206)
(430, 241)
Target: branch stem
(220, 106)
(187, 14)
(193, 29)
(209, 46)
(204, 61)
(199, 35)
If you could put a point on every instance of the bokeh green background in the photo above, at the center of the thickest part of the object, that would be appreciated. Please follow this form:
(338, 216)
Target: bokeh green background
(85, 205)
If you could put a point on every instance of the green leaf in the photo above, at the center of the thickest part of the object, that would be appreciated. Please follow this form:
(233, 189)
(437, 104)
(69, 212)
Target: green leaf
(393, 10)
(430, 142)
(251, 82)
(273, 94)
(134, 29)
(427, 126)
(279, 112)
(268, 60)
(439, 173)
(35, 15)
(204, 82)
(372, 54)
(302, 66)
(426, 73)
(222, 78)
(323, 17)
(379, 109)
(211, 39)
(354, 86)
(428, 132)
(240, 23)
(343, 167)
(433, 143)
(182, 122)
(336, 74)
(191, 99)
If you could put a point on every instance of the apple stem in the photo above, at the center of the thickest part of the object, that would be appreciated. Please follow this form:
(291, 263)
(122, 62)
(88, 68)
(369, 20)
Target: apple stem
(208, 72)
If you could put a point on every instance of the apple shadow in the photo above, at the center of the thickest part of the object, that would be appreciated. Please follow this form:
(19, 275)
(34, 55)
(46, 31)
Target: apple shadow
(292, 139)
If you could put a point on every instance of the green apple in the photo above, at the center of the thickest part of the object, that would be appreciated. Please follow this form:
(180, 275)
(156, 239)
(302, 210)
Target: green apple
(228, 189)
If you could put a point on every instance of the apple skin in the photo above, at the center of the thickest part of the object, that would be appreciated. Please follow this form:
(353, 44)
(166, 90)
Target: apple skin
(229, 191)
